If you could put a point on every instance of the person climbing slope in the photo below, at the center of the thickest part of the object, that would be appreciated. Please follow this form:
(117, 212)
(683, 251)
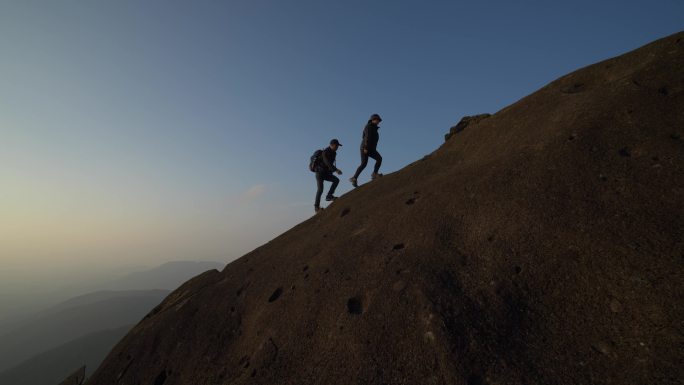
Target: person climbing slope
(324, 166)
(369, 145)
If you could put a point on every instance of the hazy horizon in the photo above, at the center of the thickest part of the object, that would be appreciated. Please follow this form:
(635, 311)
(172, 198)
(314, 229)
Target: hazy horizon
(36, 292)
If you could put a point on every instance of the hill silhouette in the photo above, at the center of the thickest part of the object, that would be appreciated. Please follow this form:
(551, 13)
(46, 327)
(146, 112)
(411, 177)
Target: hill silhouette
(74, 319)
(540, 245)
(168, 276)
(50, 367)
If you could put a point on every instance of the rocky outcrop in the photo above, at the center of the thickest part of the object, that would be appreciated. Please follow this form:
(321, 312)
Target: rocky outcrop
(463, 123)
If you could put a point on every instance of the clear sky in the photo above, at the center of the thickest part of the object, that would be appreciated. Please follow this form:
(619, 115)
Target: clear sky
(136, 132)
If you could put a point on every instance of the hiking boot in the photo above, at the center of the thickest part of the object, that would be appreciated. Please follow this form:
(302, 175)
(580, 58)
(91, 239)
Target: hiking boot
(374, 176)
(353, 182)
(318, 209)
(330, 198)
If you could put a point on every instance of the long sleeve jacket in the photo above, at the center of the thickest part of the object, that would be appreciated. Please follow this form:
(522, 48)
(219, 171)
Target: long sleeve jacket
(328, 160)
(370, 137)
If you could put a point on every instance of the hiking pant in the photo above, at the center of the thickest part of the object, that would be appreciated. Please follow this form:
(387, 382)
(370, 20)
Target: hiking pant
(364, 161)
(325, 176)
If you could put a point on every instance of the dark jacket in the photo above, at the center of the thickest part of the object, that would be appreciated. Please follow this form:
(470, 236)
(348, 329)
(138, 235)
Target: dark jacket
(370, 137)
(327, 163)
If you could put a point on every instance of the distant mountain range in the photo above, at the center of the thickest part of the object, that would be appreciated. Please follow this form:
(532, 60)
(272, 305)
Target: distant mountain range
(81, 330)
(49, 367)
(63, 324)
(167, 276)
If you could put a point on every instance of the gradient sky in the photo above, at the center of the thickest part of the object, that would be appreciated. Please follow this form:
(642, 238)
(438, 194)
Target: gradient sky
(136, 132)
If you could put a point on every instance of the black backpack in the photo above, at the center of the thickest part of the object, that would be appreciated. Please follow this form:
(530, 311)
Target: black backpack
(315, 160)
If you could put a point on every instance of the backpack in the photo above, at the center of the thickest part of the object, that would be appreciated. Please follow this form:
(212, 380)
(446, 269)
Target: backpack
(315, 160)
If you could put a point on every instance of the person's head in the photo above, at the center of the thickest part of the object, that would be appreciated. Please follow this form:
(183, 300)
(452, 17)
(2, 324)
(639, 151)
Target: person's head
(335, 144)
(375, 119)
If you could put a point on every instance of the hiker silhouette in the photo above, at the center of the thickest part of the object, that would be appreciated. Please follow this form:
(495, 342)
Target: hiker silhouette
(323, 164)
(369, 145)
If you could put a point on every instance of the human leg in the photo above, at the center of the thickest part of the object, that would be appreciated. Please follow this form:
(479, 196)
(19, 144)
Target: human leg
(335, 181)
(364, 162)
(378, 160)
(319, 192)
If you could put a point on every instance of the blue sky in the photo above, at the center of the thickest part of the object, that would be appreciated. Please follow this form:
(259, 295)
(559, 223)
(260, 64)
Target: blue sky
(135, 132)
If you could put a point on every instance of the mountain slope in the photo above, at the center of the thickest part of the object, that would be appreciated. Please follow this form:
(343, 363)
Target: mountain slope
(52, 366)
(541, 245)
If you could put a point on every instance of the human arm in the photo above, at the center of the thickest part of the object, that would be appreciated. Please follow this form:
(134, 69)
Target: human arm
(364, 142)
(330, 165)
